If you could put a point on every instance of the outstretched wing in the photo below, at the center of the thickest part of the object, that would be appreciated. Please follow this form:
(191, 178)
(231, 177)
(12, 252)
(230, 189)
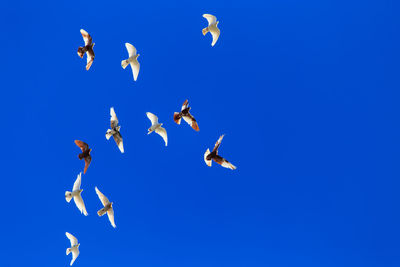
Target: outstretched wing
(218, 143)
(153, 118)
(88, 159)
(223, 162)
(135, 66)
(215, 35)
(118, 141)
(185, 105)
(131, 49)
(80, 204)
(75, 254)
(110, 214)
(191, 121)
(104, 200)
(82, 145)
(210, 18)
(86, 37)
(72, 239)
(89, 58)
(114, 119)
(77, 184)
(163, 133)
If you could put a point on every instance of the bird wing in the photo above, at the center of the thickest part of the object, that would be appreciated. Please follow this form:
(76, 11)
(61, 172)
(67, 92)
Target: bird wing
(153, 118)
(210, 18)
(135, 66)
(118, 140)
(114, 119)
(77, 184)
(90, 58)
(88, 159)
(80, 204)
(215, 35)
(110, 214)
(82, 145)
(72, 239)
(104, 200)
(131, 49)
(191, 121)
(218, 143)
(86, 37)
(75, 254)
(224, 163)
(185, 105)
(163, 133)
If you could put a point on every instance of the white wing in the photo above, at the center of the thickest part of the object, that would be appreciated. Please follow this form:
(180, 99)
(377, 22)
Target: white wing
(110, 214)
(215, 35)
(188, 120)
(131, 49)
(228, 165)
(72, 239)
(135, 66)
(77, 184)
(86, 37)
(102, 197)
(153, 118)
(163, 133)
(80, 204)
(113, 116)
(210, 18)
(75, 254)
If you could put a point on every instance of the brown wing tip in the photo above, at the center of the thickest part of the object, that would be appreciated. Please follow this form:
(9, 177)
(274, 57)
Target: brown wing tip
(89, 65)
(195, 126)
(177, 118)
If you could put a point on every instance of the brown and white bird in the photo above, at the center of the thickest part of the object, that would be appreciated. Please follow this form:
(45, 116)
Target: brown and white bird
(74, 247)
(85, 153)
(76, 195)
(107, 207)
(88, 49)
(114, 131)
(156, 127)
(212, 27)
(185, 114)
(213, 155)
(132, 60)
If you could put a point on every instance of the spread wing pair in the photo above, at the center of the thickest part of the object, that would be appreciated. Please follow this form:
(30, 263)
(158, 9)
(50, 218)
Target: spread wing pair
(114, 131)
(76, 195)
(74, 247)
(212, 27)
(85, 153)
(132, 60)
(213, 155)
(156, 127)
(107, 207)
(88, 49)
(185, 114)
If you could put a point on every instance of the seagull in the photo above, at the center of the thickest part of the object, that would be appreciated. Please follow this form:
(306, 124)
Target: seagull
(74, 247)
(185, 114)
(88, 49)
(85, 153)
(107, 207)
(155, 126)
(76, 194)
(212, 27)
(135, 65)
(208, 156)
(114, 131)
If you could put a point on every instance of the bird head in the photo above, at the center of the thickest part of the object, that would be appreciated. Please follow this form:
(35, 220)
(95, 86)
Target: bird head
(137, 55)
(80, 190)
(111, 204)
(93, 43)
(118, 127)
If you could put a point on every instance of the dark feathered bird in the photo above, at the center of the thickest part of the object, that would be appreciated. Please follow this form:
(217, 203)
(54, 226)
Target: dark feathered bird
(213, 155)
(185, 114)
(88, 49)
(85, 153)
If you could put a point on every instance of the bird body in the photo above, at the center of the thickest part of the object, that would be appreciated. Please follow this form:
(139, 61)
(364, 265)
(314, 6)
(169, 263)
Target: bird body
(132, 60)
(213, 155)
(88, 49)
(212, 27)
(74, 249)
(157, 127)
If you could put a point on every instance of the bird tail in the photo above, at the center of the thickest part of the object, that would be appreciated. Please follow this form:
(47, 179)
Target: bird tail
(68, 251)
(108, 134)
(101, 212)
(124, 63)
(68, 196)
(208, 162)
(205, 30)
(81, 52)
(177, 117)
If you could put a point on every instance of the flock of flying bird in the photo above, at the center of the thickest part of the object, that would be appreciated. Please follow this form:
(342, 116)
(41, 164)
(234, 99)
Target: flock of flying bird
(115, 131)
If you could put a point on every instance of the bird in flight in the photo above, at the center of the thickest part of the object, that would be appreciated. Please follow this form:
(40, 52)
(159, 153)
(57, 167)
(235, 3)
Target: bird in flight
(155, 126)
(135, 65)
(85, 153)
(114, 131)
(74, 247)
(76, 195)
(212, 27)
(107, 207)
(88, 49)
(185, 114)
(213, 155)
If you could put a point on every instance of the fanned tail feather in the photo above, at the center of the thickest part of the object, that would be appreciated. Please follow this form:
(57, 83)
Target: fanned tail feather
(108, 134)
(208, 162)
(101, 212)
(68, 251)
(68, 196)
(124, 63)
(177, 117)
(205, 30)
(81, 52)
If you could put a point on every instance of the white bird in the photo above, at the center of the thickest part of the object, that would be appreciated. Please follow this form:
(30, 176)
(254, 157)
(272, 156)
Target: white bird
(76, 194)
(107, 207)
(114, 131)
(212, 27)
(74, 247)
(156, 127)
(135, 65)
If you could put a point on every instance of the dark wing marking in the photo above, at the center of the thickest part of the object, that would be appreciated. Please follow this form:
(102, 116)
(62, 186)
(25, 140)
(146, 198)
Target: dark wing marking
(223, 162)
(218, 143)
(82, 145)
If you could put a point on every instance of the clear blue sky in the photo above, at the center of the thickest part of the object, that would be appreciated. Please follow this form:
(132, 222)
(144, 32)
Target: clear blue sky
(306, 92)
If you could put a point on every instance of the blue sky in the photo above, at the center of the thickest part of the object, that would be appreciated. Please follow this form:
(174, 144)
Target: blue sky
(306, 92)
